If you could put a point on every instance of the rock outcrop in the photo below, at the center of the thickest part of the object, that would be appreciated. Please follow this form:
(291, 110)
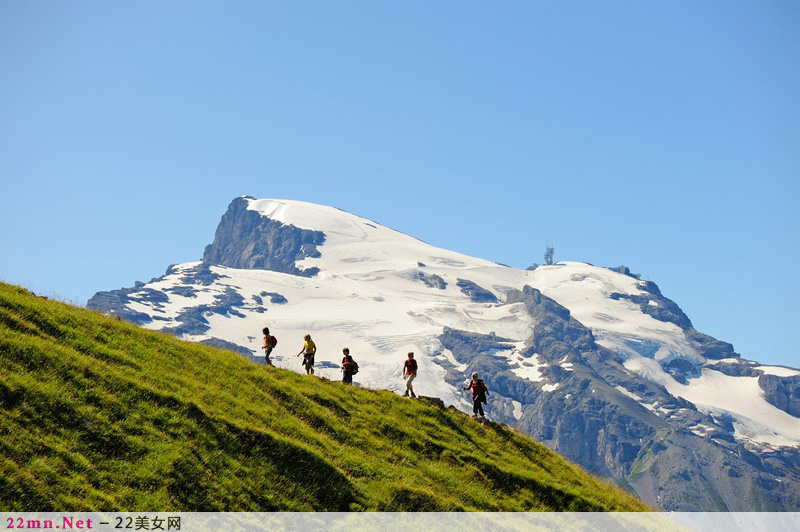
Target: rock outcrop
(783, 392)
(246, 239)
(588, 407)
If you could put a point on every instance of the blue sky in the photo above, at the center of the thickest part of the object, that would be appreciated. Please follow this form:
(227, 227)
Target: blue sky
(664, 136)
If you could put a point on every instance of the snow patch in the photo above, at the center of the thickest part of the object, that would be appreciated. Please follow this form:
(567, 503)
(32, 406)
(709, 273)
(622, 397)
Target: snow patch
(632, 395)
(755, 419)
(528, 368)
(778, 371)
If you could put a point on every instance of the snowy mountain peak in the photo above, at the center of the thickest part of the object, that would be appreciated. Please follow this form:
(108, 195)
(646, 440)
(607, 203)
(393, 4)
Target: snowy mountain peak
(352, 243)
(313, 217)
(593, 362)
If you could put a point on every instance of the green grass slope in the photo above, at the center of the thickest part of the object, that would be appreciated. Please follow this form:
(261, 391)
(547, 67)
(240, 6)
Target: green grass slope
(100, 415)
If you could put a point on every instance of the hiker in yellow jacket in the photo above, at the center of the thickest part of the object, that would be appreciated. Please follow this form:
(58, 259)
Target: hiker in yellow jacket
(308, 351)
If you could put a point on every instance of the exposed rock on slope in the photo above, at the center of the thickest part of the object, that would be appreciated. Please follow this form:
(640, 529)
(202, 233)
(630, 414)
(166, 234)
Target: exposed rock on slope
(247, 240)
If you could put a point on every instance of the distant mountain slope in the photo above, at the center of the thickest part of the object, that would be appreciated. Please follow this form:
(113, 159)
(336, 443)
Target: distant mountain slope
(99, 415)
(595, 363)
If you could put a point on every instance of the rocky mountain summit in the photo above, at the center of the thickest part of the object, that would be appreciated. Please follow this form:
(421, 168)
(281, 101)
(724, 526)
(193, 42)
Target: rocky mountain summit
(594, 362)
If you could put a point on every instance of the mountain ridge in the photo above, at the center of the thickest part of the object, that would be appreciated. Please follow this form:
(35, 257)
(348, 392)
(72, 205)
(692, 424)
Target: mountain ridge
(642, 388)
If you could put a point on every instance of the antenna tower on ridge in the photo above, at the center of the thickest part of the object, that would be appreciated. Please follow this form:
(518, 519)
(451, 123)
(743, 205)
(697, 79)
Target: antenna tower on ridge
(548, 254)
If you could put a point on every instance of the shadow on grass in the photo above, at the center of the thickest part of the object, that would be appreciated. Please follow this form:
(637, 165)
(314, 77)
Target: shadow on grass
(280, 473)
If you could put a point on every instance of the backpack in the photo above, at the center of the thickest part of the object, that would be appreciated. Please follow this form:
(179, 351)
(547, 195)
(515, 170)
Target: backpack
(484, 389)
(353, 365)
(273, 341)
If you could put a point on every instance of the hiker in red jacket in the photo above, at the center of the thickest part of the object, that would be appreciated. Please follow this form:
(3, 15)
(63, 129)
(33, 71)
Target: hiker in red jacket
(479, 393)
(349, 367)
(410, 372)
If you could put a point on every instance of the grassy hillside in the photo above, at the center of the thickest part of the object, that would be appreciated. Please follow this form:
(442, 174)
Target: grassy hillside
(97, 414)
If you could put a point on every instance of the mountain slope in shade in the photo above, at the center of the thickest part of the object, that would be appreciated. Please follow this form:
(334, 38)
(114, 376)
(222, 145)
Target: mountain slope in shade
(593, 362)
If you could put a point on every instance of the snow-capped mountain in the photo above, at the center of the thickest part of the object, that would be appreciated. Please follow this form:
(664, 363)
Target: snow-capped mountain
(593, 362)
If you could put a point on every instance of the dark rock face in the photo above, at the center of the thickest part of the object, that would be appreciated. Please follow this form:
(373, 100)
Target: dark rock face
(465, 345)
(191, 320)
(584, 418)
(589, 408)
(430, 279)
(476, 293)
(275, 298)
(783, 392)
(735, 370)
(247, 240)
(476, 350)
(115, 303)
(713, 474)
(710, 347)
(200, 275)
(682, 369)
(656, 305)
(556, 333)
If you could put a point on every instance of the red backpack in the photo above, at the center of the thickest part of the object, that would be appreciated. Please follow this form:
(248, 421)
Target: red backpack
(350, 364)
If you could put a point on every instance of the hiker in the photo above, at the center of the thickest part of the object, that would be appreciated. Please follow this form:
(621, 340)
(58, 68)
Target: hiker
(479, 393)
(308, 354)
(269, 344)
(349, 367)
(410, 372)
